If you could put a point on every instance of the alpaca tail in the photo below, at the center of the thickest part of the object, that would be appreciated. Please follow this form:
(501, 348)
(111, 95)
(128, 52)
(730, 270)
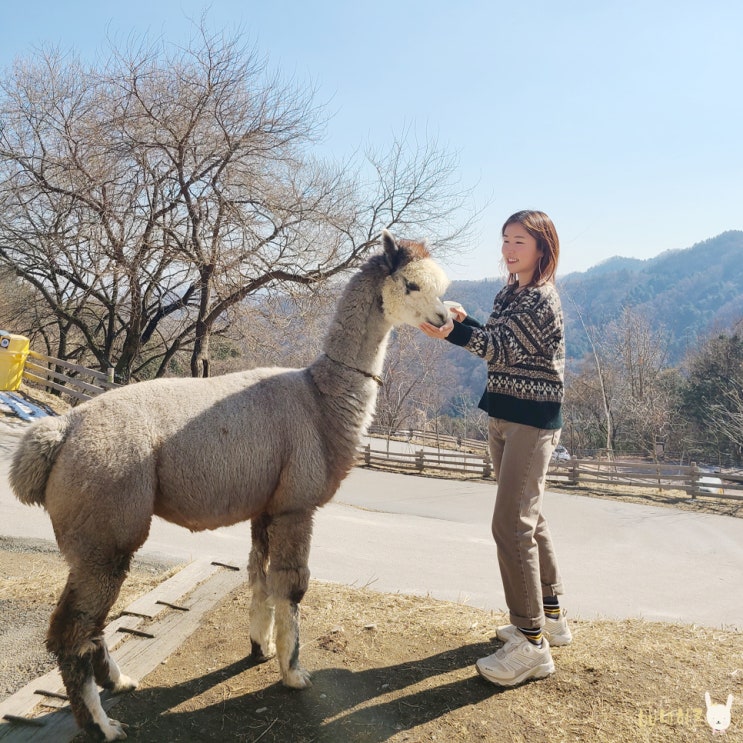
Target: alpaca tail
(34, 458)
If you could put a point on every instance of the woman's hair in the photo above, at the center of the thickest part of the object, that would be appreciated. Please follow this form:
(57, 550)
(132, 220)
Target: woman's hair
(540, 227)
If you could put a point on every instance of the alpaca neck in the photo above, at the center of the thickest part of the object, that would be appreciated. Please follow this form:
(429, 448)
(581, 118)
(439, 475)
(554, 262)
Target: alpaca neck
(344, 375)
(350, 368)
(357, 337)
(375, 377)
(348, 385)
(353, 365)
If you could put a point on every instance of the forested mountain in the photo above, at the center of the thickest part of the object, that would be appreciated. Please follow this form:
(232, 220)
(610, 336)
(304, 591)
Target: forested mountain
(685, 293)
(688, 293)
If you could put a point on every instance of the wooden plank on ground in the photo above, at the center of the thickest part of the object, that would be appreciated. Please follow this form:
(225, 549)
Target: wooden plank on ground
(172, 589)
(136, 655)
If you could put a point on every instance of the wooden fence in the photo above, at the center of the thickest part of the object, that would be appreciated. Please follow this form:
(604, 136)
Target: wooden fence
(690, 479)
(462, 457)
(80, 383)
(443, 461)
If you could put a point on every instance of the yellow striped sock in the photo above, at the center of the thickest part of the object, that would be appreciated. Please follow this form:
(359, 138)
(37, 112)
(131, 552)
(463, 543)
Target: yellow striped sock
(551, 607)
(534, 636)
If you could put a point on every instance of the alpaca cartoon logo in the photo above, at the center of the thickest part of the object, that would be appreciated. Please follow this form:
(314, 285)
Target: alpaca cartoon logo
(718, 715)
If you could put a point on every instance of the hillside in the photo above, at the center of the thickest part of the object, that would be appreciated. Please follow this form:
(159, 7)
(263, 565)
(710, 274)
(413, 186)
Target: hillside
(689, 293)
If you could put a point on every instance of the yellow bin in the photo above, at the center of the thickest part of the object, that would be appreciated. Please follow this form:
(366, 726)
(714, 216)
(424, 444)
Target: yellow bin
(13, 353)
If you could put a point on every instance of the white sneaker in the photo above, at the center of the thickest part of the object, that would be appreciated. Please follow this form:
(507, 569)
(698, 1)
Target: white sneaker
(555, 630)
(517, 661)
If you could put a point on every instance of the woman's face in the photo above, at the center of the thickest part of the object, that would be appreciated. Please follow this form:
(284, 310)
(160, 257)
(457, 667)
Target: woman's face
(520, 252)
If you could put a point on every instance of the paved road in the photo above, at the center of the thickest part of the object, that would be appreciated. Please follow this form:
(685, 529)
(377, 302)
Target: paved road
(408, 534)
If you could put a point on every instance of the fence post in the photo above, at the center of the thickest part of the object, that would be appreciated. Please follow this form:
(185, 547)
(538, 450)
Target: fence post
(367, 455)
(574, 471)
(487, 469)
(419, 460)
(110, 375)
(694, 478)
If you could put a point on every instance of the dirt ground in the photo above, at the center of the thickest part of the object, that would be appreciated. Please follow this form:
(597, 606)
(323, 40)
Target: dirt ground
(391, 667)
(399, 668)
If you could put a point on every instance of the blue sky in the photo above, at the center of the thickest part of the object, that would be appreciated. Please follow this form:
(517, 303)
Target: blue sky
(622, 120)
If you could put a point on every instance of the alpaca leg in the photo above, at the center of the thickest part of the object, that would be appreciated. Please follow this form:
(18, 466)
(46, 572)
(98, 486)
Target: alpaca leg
(107, 672)
(261, 606)
(75, 637)
(77, 674)
(288, 578)
(287, 645)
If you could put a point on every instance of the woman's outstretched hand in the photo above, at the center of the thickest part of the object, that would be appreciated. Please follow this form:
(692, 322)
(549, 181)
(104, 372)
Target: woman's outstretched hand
(433, 332)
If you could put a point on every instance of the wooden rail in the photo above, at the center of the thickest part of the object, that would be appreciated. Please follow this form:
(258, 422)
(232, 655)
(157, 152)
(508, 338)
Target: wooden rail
(689, 479)
(464, 457)
(45, 371)
(477, 464)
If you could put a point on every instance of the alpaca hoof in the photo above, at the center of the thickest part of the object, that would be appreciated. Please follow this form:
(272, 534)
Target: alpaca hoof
(118, 729)
(258, 654)
(108, 731)
(124, 684)
(298, 678)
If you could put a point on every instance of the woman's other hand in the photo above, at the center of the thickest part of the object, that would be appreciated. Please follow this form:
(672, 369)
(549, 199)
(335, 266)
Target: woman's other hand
(456, 310)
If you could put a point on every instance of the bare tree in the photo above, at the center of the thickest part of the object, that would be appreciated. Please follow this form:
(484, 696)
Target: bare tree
(728, 417)
(77, 220)
(638, 354)
(602, 379)
(587, 412)
(415, 377)
(146, 198)
(622, 390)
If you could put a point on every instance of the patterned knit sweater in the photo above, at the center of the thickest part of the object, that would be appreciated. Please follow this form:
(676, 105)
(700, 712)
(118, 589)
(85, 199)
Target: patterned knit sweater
(523, 342)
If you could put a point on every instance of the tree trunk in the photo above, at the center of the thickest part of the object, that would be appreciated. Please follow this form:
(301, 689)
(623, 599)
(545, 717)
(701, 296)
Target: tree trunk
(200, 362)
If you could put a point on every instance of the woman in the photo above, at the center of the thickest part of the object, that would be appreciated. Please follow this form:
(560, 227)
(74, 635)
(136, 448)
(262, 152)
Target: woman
(524, 345)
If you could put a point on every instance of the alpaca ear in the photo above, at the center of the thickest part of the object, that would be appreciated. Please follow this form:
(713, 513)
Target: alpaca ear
(707, 699)
(729, 705)
(391, 249)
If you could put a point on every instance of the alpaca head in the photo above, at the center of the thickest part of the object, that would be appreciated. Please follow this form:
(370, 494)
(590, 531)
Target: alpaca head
(411, 293)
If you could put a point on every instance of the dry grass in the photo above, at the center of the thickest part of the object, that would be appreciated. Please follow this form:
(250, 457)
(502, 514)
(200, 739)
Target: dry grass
(653, 497)
(392, 667)
(40, 576)
(388, 667)
(648, 496)
(35, 394)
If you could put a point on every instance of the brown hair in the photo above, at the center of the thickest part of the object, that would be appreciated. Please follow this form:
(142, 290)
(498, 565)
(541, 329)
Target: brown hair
(540, 227)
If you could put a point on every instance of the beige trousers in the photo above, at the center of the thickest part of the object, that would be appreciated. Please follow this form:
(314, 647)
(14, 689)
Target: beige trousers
(526, 557)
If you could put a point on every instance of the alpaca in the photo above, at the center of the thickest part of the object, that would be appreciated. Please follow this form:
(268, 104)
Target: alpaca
(267, 445)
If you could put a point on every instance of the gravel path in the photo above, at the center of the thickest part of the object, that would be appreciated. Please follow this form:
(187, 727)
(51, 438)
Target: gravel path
(24, 617)
(32, 574)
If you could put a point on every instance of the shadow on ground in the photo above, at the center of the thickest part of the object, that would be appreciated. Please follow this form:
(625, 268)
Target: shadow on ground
(341, 705)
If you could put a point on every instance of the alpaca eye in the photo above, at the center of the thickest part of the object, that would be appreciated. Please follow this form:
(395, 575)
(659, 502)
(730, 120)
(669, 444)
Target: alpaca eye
(411, 286)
